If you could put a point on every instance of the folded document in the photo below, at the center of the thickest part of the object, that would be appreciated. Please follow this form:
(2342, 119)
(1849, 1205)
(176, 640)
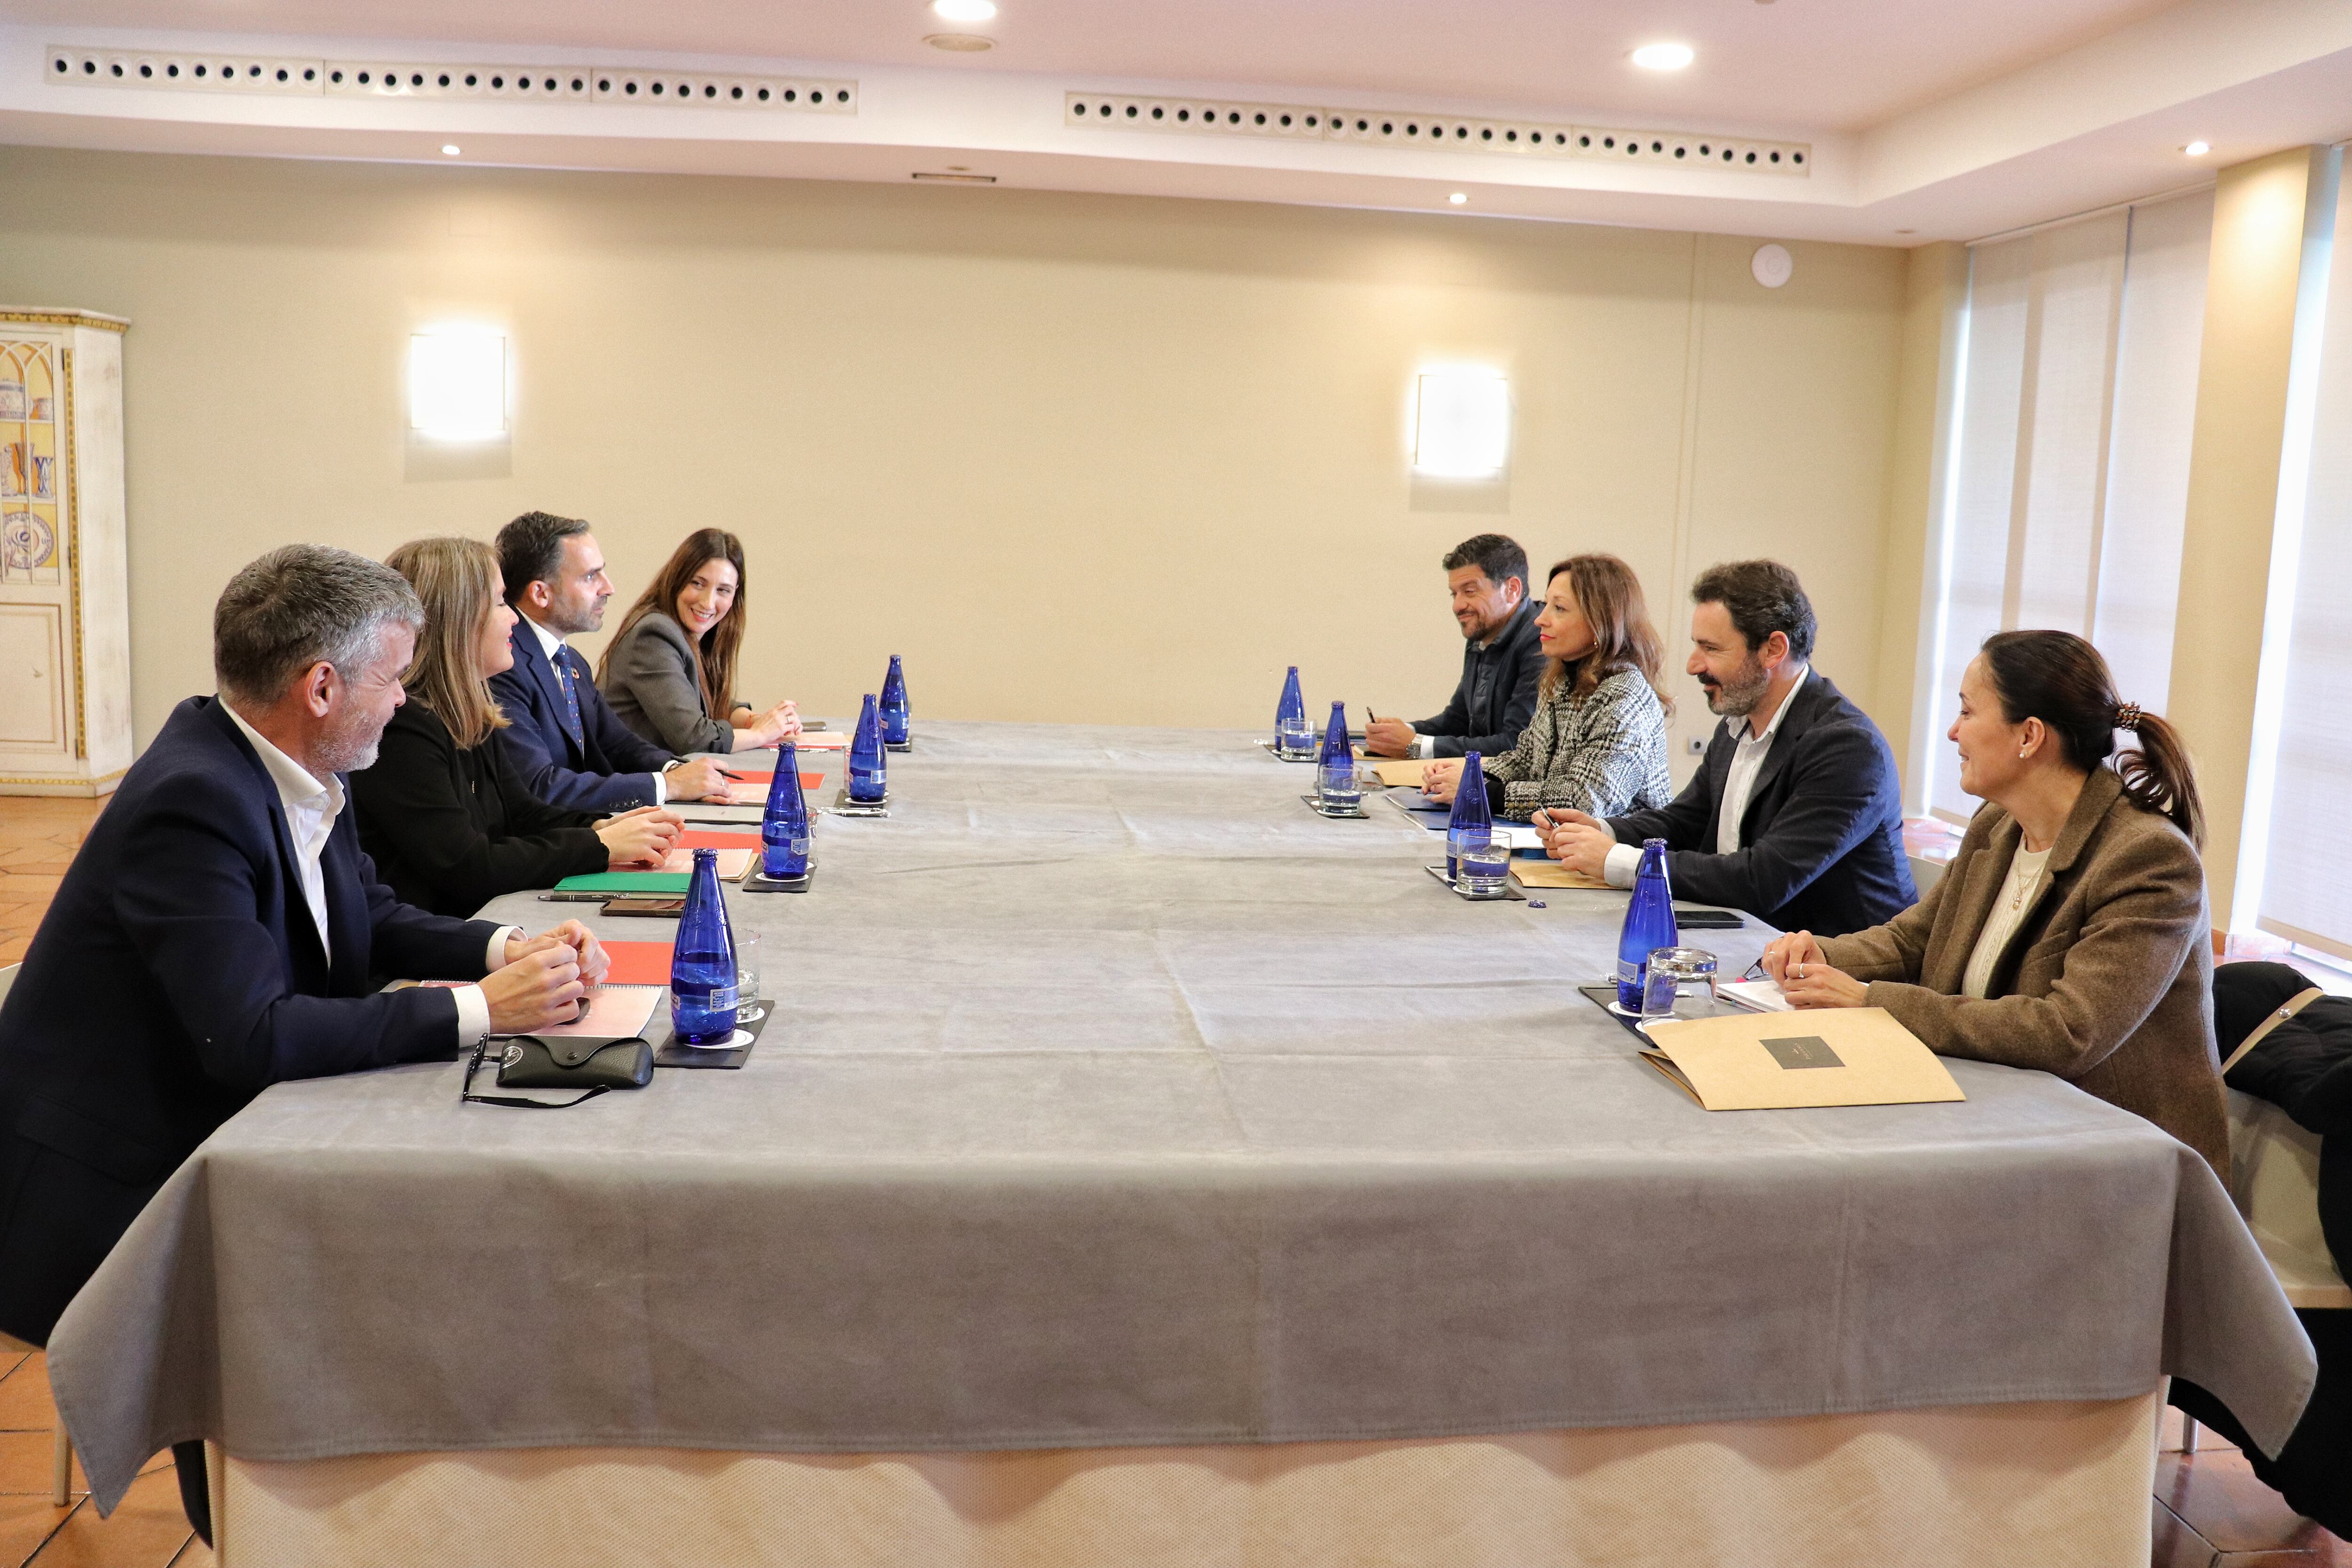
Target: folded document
(1781, 1061)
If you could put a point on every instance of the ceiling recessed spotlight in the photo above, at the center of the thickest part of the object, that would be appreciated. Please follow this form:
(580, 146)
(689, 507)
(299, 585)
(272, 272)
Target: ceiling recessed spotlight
(1663, 57)
(448, 148)
(965, 10)
(2198, 149)
(1460, 198)
(960, 43)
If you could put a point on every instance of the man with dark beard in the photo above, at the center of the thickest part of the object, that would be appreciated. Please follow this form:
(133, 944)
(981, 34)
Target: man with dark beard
(221, 931)
(1797, 815)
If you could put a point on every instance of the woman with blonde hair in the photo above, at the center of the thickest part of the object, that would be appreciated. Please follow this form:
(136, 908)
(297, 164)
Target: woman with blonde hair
(669, 672)
(441, 813)
(1598, 741)
(2070, 933)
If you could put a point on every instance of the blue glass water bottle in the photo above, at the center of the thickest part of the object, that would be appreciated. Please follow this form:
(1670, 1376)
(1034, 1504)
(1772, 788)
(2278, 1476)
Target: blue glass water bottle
(1290, 731)
(1649, 924)
(1335, 771)
(867, 786)
(896, 731)
(784, 828)
(702, 964)
(1472, 825)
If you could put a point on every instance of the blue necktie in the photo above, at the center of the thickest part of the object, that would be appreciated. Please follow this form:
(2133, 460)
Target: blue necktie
(570, 696)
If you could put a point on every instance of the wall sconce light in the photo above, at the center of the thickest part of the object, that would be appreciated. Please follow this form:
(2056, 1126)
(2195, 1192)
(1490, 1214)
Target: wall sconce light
(1461, 423)
(458, 383)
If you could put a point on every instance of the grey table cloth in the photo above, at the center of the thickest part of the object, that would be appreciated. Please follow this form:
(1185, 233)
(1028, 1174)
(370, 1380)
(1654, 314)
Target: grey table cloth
(1116, 1097)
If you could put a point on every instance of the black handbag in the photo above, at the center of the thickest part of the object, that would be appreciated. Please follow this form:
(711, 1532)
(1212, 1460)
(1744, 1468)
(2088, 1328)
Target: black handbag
(594, 1063)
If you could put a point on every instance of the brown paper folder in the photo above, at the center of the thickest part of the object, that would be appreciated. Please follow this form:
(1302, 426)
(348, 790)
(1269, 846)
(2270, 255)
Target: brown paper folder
(1552, 874)
(1401, 770)
(1779, 1061)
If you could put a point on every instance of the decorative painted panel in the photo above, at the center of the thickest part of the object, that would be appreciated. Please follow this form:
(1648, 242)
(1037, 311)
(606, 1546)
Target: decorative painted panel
(65, 643)
(31, 452)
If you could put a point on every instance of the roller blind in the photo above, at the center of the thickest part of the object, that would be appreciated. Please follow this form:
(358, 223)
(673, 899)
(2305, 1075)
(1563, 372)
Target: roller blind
(2307, 863)
(2070, 455)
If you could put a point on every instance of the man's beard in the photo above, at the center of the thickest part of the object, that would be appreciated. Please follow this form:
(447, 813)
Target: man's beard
(588, 620)
(1738, 697)
(350, 751)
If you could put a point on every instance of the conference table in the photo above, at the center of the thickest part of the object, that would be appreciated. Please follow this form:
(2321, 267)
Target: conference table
(1140, 1168)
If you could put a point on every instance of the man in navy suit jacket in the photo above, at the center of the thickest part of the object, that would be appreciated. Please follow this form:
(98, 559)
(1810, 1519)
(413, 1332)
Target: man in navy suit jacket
(1796, 815)
(566, 745)
(221, 931)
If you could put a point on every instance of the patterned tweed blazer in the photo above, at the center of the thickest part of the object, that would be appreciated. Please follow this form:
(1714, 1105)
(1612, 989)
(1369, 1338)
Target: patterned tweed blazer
(1603, 753)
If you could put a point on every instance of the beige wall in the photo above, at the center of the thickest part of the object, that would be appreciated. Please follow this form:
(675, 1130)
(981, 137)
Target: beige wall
(2267, 216)
(1078, 458)
(1935, 293)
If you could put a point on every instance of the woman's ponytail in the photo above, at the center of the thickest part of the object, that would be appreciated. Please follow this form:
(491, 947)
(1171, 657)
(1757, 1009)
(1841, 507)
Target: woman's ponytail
(2156, 774)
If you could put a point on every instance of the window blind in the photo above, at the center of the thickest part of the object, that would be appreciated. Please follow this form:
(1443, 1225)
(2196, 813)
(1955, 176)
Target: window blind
(2071, 448)
(2307, 863)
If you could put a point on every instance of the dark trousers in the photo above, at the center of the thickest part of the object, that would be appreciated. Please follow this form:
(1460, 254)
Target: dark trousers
(195, 1489)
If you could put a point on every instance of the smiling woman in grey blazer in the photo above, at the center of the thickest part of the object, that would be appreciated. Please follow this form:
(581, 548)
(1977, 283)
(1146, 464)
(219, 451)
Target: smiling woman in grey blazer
(2070, 933)
(669, 672)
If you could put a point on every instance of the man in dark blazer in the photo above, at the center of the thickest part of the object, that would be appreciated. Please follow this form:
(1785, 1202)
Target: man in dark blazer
(1797, 814)
(563, 742)
(220, 932)
(1488, 578)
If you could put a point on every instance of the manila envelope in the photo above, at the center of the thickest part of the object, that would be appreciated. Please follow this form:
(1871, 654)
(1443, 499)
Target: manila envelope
(1396, 770)
(1552, 874)
(1781, 1061)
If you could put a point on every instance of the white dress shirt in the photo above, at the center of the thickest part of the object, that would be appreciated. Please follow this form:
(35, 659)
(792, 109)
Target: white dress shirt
(1738, 784)
(550, 644)
(311, 809)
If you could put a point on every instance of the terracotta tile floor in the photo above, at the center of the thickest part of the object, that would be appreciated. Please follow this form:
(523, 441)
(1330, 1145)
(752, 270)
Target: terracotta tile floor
(2208, 1510)
(147, 1531)
(38, 837)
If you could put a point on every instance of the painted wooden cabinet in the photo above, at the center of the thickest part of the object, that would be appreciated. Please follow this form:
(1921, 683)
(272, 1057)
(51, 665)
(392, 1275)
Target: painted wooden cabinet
(65, 605)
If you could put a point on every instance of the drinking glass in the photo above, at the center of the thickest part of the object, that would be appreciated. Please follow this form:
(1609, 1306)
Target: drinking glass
(1669, 970)
(1481, 869)
(748, 1007)
(1294, 737)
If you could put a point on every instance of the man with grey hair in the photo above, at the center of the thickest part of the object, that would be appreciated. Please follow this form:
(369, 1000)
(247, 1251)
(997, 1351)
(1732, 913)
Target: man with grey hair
(221, 931)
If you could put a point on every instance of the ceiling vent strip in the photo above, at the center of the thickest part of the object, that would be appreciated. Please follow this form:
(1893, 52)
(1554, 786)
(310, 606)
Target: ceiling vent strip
(181, 70)
(1426, 132)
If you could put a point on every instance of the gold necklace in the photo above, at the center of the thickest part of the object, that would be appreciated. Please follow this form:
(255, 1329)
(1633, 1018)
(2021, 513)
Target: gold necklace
(2021, 882)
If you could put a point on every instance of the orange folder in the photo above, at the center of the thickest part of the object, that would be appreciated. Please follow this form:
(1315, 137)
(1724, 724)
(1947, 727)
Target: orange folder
(638, 962)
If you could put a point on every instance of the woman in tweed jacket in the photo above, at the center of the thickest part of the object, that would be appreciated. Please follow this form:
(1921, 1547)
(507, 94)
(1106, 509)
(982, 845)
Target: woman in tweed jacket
(1598, 741)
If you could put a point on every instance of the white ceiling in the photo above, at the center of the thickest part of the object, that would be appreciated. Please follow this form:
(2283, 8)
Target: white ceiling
(1928, 118)
(1838, 65)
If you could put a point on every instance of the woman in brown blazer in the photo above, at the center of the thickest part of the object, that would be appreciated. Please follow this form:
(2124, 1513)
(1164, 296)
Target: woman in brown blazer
(2070, 933)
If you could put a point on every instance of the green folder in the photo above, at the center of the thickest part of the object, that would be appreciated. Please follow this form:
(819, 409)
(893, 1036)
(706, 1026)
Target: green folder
(629, 884)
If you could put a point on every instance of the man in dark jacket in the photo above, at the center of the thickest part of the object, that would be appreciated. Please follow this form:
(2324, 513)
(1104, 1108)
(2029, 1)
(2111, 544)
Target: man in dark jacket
(1488, 578)
(221, 931)
(563, 742)
(1797, 814)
